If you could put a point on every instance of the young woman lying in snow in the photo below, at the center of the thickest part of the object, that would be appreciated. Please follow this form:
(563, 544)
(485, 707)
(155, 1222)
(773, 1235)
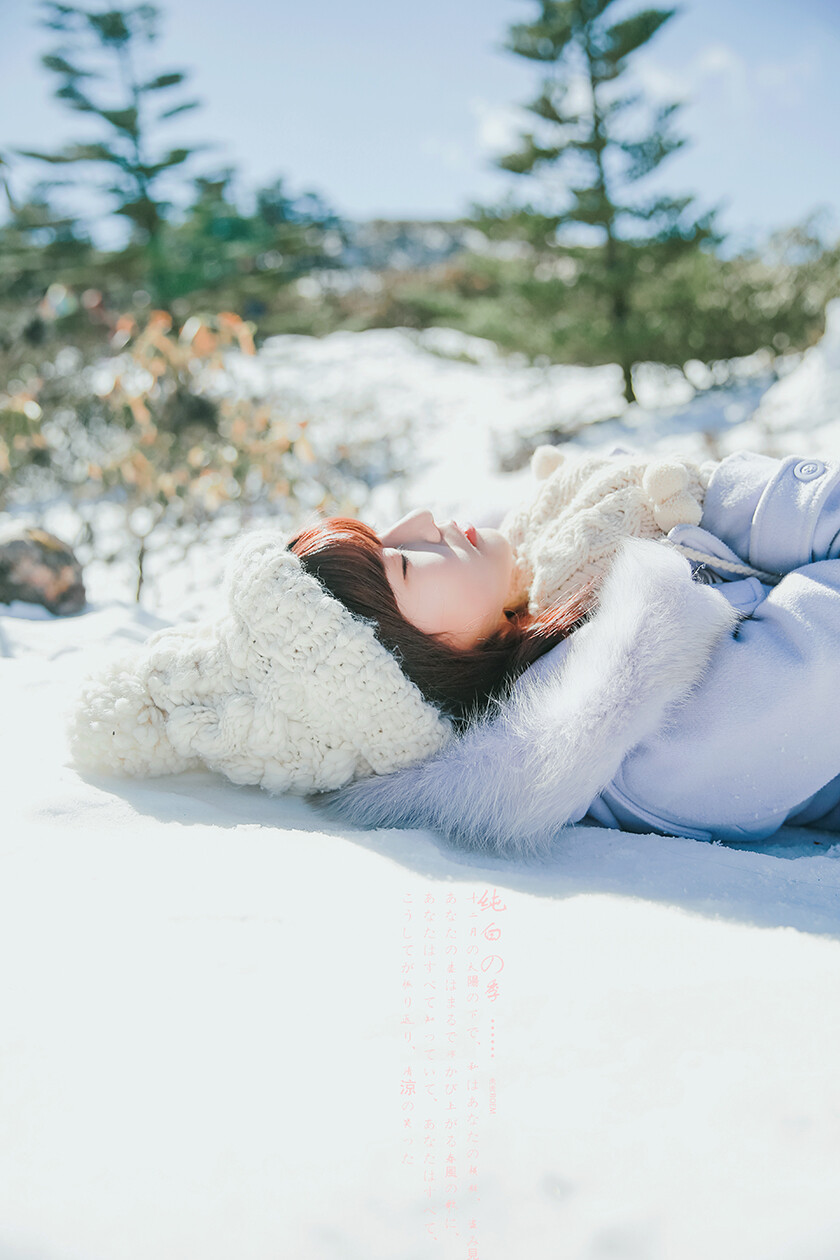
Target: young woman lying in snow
(650, 645)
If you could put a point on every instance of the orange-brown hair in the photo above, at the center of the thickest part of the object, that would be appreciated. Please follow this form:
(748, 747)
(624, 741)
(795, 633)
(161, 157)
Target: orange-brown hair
(346, 558)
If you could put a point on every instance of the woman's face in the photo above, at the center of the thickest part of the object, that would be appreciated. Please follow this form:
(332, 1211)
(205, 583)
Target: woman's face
(445, 582)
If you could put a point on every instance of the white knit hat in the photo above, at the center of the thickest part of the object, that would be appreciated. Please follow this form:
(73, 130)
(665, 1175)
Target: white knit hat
(288, 690)
(582, 510)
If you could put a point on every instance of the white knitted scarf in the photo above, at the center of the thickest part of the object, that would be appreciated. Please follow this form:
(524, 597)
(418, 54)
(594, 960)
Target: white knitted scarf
(582, 510)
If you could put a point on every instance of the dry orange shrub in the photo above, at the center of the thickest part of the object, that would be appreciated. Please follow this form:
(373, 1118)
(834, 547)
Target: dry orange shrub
(177, 447)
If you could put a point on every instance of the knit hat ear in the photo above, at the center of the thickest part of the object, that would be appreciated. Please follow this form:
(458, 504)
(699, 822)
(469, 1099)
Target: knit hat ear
(672, 499)
(544, 461)
(288, 690)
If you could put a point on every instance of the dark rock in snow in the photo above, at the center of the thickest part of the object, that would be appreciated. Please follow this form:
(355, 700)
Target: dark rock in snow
(39, 568)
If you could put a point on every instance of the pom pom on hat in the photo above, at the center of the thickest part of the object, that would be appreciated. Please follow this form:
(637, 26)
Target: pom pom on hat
(288, 690)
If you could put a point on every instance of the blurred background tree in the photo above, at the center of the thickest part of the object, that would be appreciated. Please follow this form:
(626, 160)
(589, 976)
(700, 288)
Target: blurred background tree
(219, 254)
(99, 59)
(605, 140)
(210, 251)
(588, 271)
(37, 244)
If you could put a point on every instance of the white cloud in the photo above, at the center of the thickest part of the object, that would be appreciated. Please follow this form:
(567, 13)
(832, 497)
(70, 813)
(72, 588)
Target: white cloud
(738, 85)
(719, 59)
(498, 127)
(449, 153)
(660, 82)
(791, 81)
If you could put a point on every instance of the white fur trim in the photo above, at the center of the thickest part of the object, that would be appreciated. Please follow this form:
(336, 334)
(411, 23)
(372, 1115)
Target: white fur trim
(511, 784)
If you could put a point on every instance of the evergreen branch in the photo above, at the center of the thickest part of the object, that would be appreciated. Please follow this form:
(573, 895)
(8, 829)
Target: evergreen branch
(62, 16)
(179, 109)
(143, 211)
(13, 206)
(79, 153)
(96, 153)
(625, 37)
(111, 27)
(175, 157)
(593, 9)
(547, 39)
(59, 66)
(163, 81)
(532, 156)
(621, 104)
(646, 155)
(667, 217)
(591, 206)
(125, 120)
(544, 107)
(662, 205)
(76, 99)
(53, 158)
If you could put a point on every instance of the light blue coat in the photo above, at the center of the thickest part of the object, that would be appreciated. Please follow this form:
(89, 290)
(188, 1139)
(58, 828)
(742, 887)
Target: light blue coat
(758, 743)
(675, 714)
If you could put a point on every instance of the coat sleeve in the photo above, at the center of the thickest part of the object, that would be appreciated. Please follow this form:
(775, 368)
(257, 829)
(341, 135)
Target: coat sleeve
(777, 515)
(759, 736)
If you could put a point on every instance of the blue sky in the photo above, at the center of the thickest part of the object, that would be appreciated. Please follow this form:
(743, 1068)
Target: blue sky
(396, 110)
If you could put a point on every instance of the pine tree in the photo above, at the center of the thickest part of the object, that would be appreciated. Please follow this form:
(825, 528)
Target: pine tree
(586, 132)
(37, 247)
(243, 259)
(103, 48)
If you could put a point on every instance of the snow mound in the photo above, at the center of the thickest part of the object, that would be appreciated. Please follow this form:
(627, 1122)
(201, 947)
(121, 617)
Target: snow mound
(217, 1011)
(800, 413)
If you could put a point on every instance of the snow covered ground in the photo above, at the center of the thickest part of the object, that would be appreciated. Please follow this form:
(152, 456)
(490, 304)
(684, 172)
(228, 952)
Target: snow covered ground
(230, 1029)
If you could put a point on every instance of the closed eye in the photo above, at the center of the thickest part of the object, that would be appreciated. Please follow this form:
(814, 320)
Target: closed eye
(404, 562)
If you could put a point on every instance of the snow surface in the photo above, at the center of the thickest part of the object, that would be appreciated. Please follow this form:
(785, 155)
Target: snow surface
(630, 1052)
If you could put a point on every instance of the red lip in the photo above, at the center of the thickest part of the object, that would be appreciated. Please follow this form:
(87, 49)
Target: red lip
(471, 535)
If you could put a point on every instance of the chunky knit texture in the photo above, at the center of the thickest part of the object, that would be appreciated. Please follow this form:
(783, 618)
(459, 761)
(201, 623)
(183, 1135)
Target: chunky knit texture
(584, 507)
(288, 690)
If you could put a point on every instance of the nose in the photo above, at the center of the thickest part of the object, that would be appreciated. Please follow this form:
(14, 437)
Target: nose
(418, 526)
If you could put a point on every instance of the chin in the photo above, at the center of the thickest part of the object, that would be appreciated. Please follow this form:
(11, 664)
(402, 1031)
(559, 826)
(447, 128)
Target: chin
(499, 553)
(496, 545)
(493, 538)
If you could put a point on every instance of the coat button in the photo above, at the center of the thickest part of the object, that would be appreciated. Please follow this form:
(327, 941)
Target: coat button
(808, 469)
